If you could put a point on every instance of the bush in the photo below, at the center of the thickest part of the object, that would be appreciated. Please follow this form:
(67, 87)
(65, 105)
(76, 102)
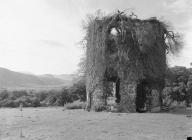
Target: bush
(42, 95)
(35, 102)
(76, 105)
(4, 95)
(78, 90)
(44, 98)
(8, 103)
(179, 88)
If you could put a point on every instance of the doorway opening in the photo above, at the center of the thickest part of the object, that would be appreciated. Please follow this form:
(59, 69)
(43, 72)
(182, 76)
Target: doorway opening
(114, 91)
(141, 98)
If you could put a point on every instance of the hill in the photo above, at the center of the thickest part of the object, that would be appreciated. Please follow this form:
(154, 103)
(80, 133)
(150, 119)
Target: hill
(12, 79)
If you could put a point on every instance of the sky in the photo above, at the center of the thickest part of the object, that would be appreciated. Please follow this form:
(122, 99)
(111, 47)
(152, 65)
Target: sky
(42, 36)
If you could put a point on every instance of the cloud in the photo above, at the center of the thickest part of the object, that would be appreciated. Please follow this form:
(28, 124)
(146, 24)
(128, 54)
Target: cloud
(50, 43)
(178, 12)
(179, 6)
(41, 35)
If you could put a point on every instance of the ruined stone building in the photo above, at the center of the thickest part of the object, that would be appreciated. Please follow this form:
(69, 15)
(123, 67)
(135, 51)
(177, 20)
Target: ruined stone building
(129, 52)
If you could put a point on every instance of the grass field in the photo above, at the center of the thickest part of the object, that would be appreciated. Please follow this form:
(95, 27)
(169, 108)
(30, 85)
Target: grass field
(56, 124)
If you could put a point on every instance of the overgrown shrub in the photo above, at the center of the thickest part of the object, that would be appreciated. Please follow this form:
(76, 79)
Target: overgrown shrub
(78, 90)
(4, 94)
(179, 87)
(75, 105)
(34, 98)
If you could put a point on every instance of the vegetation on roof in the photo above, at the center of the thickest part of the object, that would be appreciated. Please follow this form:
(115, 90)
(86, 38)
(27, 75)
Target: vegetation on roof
(133, 47)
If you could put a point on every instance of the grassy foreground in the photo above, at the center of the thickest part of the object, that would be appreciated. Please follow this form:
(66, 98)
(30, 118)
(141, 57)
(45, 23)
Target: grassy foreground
(56, 124)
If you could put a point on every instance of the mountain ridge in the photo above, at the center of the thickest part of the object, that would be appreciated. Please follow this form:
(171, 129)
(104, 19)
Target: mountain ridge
(12, 79)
